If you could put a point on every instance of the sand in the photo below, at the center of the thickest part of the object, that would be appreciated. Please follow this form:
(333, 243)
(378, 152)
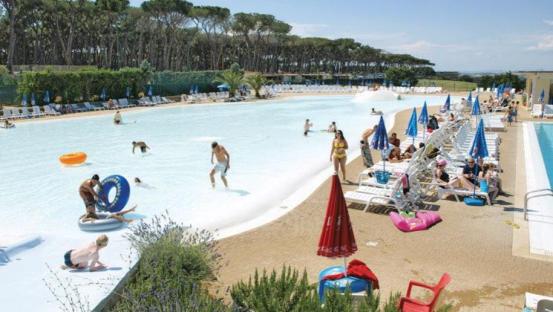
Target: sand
(473, 244)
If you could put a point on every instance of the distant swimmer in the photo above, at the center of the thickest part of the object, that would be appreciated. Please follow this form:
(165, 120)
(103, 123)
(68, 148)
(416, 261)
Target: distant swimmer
(143, 147)
(222, 165)
(375, 112)
(137, 181)
(88, 194)
(307, 127)
(117, 119)
(7, 124)
(332, 127)
(86, 257)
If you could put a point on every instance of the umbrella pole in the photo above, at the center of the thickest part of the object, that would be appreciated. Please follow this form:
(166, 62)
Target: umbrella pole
(345, 267)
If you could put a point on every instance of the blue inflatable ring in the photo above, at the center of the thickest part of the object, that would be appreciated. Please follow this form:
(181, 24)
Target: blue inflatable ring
(123, 189)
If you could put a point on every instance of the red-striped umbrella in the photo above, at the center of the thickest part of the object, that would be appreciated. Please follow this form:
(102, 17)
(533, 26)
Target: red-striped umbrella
(337, 238)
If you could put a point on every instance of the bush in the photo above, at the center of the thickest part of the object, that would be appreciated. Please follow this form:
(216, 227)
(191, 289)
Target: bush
(174, 83)
(398, 75)
(174, 262)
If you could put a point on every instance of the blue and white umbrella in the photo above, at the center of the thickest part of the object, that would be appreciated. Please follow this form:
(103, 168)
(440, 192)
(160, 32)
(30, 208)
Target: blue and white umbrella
(423, 119)
(150, 92)
(476, 109)
(469, 98)
(412, 130)
(103, 94)
(128, 92)
(542, 95)
(380, 139)
(479, 148)
(46, 97)
(447, 104)
(33, 99)
(24, 100)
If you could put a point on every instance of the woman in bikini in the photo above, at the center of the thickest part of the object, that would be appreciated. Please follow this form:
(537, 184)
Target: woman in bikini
(338, 153)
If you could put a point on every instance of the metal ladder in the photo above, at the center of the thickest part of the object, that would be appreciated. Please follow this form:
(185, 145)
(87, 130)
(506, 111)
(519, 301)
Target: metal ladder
(532, 194)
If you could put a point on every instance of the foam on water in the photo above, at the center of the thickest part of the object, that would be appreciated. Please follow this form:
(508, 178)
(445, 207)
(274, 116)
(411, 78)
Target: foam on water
(270, 160)
(374, 96)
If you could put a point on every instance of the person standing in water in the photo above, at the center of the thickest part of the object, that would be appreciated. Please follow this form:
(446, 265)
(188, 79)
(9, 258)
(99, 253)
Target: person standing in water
(117, 119)
(307, 127)
(88, 194)
(332, 127)
(222, 165)
(143, 147)
(338, 153)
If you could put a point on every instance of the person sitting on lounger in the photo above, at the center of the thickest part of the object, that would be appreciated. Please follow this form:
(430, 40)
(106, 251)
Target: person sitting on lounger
(117, 118)
(394, 140)
(409, 151)
(143, 147)
(395, 155)
(87, 257)
(92, 216)
(442, 177)
(489, 174)
(451, 117)
(307, 127)
(469, 177)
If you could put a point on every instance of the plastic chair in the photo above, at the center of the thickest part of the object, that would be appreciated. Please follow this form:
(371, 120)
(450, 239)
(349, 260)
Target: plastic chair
(408, 304)
(545, 306)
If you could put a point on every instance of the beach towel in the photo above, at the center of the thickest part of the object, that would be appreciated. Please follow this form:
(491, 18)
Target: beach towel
(358, 269)
(405, 183)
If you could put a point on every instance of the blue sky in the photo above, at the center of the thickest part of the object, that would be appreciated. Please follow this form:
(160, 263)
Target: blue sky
(457, 35)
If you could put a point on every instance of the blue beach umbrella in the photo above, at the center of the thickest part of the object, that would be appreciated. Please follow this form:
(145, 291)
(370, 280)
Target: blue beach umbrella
(542, 95)
(479, 148)
(423, 119)
(447, 104)
(469, 98)
(128, 92)
(412, 126)
(476, 109)
(380, 138)
(103, 94)
(150, 93)
(46, 97)
(24, 100)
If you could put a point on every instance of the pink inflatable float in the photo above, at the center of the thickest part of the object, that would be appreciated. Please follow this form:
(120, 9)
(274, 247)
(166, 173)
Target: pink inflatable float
(422, 221)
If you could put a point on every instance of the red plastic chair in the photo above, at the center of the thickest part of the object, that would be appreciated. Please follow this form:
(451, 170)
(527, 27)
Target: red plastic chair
(408, 304)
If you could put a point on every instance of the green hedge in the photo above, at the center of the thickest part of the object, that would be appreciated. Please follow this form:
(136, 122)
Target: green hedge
(82, 85)
(173, 83)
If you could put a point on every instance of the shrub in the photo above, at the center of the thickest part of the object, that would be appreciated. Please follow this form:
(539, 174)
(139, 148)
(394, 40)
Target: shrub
(175, 83)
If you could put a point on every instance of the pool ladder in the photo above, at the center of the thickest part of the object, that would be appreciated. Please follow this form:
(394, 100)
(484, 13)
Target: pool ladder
(532, 194)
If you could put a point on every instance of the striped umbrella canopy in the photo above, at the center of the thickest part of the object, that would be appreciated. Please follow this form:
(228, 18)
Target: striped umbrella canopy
(447, 104)
(412, 130)
(46, 97)
(24, 100)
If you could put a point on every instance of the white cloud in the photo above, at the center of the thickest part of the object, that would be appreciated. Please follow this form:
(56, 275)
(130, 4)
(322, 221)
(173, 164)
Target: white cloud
(423, 45)
(308, 30)
(545, 43)
(548, 22)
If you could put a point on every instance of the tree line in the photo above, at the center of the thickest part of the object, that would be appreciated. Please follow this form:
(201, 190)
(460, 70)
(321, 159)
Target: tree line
(175, 35)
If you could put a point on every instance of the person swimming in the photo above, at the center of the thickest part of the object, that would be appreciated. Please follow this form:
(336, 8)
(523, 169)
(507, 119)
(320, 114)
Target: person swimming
(332, 127)
(143, 147)
(307, 127)
(117, 119)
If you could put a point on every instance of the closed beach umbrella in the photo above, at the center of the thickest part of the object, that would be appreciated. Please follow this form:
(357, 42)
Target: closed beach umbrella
(380, 139)
(103, 94)
(479, 148)
(150, 93)
(412, 126)
(46, 97)
(476, 109)
(447, 104)
(33, 99)
(336, 240)
(542, 95)
(469, 98)
(24, 100)
(423, 119)
(128, 92)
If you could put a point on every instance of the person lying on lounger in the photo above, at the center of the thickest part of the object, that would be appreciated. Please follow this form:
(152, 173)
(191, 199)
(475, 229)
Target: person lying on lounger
(91, 216)
(86, 257)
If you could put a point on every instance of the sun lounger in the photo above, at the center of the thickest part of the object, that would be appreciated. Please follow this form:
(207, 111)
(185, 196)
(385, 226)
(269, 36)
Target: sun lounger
(145, 102)
(36, 112)
(48, 110)
(91, 107)
(548, 111)
(532, 302)
(536, 110)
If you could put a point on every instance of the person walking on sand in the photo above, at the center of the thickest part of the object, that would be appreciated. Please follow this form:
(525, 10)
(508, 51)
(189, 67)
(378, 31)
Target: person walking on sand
(86, 257)
(143, 147)
(307, 127)
(338, 153)
(366, 147)
(117, 118)
(222, 165)
(88, 194)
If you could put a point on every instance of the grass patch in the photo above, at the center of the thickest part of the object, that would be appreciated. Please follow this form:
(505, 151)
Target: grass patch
(449, 85)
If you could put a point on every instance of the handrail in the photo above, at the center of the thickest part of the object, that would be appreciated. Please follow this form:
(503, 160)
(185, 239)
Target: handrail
(527, 197)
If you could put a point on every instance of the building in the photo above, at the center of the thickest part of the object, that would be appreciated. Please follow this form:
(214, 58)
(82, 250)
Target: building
(536, 82)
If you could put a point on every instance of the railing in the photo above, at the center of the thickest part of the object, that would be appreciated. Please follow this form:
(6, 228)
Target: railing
(531, 194)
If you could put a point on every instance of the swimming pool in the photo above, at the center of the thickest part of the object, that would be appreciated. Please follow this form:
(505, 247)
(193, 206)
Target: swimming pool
(544, 132)
(270, 159)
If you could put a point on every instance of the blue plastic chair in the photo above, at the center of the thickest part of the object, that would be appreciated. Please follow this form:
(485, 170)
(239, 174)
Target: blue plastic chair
(353, 283)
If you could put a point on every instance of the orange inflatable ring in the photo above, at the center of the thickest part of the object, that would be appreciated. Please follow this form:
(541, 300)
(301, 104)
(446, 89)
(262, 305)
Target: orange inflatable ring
(73, 158)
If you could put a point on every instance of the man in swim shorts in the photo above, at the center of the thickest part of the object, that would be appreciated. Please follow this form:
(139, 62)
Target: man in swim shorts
(143, 147)
(307, 127)
(86, 257)
(117, 118)
(222, 165)
(88, 194)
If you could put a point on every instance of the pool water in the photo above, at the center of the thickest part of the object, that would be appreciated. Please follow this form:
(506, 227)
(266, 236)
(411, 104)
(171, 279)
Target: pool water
(270, 159)
(544, 132)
